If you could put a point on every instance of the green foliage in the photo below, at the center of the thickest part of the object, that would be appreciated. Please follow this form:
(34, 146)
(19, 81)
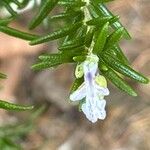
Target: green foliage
(10, 134)
(123, 69)
(101, 39)
(45, 9)
(88, 25)
(11, 106)
(5, 22)
(56, 34)
(2, 76)
(18, 34)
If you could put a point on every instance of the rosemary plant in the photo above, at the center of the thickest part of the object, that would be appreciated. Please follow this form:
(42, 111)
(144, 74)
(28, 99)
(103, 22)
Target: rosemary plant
(90, 38)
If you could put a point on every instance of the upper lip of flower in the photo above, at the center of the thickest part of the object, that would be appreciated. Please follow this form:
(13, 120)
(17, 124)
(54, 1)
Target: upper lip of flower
(89, 87)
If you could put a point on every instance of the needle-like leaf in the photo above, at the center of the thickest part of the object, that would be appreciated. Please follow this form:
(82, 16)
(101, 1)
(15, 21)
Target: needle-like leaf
(118, 81)
(56, 34)
(114, 38)
(16, 107)
(18, 34)
(45, 9)
(101, 39)
(124, 69)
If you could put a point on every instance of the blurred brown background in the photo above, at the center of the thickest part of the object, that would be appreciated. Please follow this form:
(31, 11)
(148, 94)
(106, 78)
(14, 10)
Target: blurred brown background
(61, 126)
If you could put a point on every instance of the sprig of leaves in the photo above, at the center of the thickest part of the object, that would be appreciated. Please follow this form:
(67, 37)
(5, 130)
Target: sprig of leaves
(87, 24)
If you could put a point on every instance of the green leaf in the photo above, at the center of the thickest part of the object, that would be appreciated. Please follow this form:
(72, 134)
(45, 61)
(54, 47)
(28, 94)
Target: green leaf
(102, 10)
(65, 15)
(17, 3)
(89, 37)
(79, 58)
(99, 21)
(6, 21)
(17, 129)
(102, 1)
(93, 12)
(16, 107)
(75, 52)
(56, 34)
(3, 76)
(81, 32)
(70, 3)
(114, 38)
(101, 39)
(9, 144)
(25, 3)
(116, 50)
(51, 60)
(72, 44)
(118, 81)
(9, 8)
(45, 9)
(124, 69)
(17, 33)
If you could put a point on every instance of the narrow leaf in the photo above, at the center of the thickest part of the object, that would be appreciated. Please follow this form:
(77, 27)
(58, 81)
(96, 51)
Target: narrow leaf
(70, 3)
(124, 69)
(17, 33)
(119, 54)
(98, 21)
(65, 15)
(118, 82)
(17, 3)
(3, 76)
(16, 107)
(45, 9)
(9, 8)
(79, 58)
(25, 3)
(101, 39)
(56, 34)
(51, 60)
(102, 1)
(102, 10)
(4, 22)
(89, 37)
(72, 44)
(114, 38)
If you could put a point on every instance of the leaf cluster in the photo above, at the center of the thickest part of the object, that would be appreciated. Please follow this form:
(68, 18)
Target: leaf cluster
(88, 25)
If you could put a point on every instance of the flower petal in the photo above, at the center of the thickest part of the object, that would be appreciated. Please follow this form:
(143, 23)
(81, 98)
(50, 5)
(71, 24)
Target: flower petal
(96, 112)
(102, 115)
(101, 90)
(79, 94)
(101, 109)
(101, 104)
(90, 67)
(89, 113)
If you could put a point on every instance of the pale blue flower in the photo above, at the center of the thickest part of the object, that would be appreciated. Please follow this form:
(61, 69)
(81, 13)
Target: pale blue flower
(92, 91)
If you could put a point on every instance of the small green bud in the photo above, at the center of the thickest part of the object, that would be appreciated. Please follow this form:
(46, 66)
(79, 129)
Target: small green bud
(79, 71)
(101, 81)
